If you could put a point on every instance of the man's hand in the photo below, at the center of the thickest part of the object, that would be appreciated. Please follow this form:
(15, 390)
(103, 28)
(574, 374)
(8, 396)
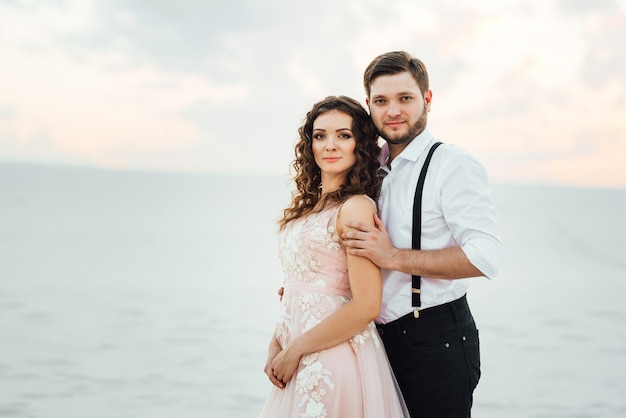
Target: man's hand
(372, 242)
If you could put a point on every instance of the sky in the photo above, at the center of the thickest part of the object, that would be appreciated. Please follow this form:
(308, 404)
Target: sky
(535, 89)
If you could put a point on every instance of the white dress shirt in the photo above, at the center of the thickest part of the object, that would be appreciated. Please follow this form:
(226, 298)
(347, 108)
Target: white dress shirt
(457, 210)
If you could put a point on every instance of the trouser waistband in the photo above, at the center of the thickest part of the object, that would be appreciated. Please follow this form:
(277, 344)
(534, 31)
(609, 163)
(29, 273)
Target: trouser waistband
(454, 312)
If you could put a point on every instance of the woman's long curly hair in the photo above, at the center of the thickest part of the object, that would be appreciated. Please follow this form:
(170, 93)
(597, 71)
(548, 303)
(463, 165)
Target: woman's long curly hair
(362, 178)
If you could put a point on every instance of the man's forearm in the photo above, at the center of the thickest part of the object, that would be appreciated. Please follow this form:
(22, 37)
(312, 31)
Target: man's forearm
(448, 263)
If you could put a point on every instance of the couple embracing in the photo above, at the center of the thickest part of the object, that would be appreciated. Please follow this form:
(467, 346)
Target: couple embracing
(377, 247)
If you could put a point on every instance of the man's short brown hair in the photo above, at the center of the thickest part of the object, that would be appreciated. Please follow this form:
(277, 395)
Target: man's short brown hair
(396, 62)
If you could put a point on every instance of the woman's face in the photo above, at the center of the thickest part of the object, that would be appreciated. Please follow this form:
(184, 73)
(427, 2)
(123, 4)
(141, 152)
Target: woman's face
(334, 143)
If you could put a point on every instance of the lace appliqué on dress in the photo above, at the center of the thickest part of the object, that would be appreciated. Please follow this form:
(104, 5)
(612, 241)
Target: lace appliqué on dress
(298, 248)
(325, 235)
(309, 384)
(297, 259)
(361, 338)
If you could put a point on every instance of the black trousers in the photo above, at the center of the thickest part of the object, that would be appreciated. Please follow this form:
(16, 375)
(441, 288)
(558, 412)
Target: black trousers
(436, 359)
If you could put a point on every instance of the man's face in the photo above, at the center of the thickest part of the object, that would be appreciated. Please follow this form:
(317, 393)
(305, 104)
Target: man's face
(398, 108)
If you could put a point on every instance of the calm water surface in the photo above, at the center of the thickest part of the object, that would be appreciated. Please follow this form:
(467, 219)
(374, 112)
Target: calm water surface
(153, 295)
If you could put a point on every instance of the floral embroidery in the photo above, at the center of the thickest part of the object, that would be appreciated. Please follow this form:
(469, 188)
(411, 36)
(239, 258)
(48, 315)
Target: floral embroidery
(308, 382)
(311, 254)
(308, 300)
(325, 235)
(314, 410)
(311, 375)
(297, 259)
(361, 338)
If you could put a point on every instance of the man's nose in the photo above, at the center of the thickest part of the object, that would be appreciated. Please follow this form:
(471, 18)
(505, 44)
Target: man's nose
(393, 109)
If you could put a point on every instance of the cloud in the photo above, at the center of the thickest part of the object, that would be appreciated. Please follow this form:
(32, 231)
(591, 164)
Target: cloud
(100, 109)
(535, 89)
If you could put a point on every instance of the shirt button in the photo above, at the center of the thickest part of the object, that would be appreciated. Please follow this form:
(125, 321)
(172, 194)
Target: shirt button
(404, 331)
(464, 338)
(447, 345)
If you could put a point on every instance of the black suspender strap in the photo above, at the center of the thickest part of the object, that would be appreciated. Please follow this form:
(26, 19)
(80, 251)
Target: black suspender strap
(416, 243)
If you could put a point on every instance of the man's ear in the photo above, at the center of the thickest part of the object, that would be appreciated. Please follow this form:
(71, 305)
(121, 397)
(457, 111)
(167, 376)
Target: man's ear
(367, 101)
(428, 98)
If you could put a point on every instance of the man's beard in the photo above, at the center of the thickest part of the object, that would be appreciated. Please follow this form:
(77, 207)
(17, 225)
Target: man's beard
(414, 130)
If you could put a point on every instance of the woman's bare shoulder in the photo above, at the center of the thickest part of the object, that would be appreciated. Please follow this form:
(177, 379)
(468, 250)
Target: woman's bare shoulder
(359, 208)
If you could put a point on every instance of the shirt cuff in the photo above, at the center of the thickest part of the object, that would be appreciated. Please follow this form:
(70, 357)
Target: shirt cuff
(486, 254)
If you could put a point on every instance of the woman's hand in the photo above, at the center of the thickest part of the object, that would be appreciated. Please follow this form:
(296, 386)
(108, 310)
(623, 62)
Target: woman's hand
(273, 350)
(285, 364)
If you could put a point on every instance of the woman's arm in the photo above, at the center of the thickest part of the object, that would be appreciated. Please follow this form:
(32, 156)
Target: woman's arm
(353, 317)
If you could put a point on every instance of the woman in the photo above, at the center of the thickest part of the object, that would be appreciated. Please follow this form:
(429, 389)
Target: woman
(325, 358)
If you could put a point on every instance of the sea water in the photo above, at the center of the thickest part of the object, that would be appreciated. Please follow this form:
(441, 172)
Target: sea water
(136, 294)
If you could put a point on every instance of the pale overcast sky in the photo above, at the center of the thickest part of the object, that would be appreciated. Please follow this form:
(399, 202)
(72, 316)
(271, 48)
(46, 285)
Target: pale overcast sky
(535, 89)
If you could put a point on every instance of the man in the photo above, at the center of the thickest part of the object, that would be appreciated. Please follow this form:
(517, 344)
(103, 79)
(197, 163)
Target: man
(433, 346)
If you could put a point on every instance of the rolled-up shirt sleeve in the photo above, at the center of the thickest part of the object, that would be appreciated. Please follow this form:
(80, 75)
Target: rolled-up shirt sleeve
(469, 212)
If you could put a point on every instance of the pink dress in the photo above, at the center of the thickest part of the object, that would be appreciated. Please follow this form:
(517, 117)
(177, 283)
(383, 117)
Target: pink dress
(350, 380)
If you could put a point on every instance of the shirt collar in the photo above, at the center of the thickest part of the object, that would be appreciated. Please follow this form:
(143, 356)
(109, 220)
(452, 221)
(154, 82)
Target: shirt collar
(412, 152)
(384, 155)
